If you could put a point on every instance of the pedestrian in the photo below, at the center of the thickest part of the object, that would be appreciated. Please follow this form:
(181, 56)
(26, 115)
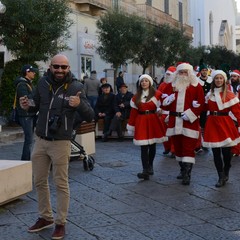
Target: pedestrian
(27, 120)
(122, 110)
(103, 81)
(119, 81)
(184, 99)
(58, 96)
(220, 133)
(145, 124)
(104, 108)
(164, 115)
(91, 87)
(205, 81)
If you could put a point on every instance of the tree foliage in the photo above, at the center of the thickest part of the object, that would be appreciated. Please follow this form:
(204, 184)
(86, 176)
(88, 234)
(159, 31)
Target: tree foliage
(119, 35)
(34, 30)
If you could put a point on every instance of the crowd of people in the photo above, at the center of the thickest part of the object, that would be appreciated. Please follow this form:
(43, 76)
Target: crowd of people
(187, 112)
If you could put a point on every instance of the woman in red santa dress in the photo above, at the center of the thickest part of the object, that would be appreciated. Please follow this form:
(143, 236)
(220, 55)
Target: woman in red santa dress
(145, 123)
(220, 133)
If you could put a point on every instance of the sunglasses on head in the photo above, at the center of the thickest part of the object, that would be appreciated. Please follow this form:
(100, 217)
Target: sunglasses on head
(57, 66)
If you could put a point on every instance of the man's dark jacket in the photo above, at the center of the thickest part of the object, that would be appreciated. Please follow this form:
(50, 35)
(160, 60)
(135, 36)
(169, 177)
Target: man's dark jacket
(52, 102)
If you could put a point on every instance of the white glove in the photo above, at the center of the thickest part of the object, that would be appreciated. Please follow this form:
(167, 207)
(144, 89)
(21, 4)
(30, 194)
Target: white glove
(164, 95)
(168, 100)
(185, 117)
(130, 133)
(195, 104)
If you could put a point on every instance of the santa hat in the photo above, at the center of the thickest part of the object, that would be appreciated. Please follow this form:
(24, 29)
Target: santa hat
(171, 70)
(147, 77)
(235, 72)
(184, 66)
(221, 72)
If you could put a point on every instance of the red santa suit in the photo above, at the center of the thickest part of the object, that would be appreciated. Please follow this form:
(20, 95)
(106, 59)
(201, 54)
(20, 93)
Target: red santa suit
(145, 122)
(188, 104)
(220, 130)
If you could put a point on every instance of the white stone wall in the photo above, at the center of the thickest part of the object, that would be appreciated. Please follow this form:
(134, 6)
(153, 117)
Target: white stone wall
(199, 18)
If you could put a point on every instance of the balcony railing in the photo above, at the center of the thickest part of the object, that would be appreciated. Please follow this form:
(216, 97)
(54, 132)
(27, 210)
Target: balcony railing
(152, 15)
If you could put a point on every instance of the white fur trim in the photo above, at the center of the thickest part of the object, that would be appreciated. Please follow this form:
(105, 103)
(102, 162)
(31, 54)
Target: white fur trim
(147, 77)
(188, 159)
(149, 141)
(133, 105)
(185, 66)
(130, 128)
(226, 143)
(184, 131)
(216, 72)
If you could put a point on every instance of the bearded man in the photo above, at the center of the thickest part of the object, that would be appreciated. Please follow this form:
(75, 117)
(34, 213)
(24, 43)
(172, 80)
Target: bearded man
(184, 99)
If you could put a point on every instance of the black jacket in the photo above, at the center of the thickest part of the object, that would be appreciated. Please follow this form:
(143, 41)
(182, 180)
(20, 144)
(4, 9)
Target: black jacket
(24, 87)
(105, 104)
(51, 101)
(125, 99)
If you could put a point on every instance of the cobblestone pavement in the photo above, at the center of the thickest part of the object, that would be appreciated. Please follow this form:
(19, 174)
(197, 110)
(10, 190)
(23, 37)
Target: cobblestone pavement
(110, 203)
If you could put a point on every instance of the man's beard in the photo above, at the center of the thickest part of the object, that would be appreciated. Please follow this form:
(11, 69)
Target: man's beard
(182, 82)
(168, 78)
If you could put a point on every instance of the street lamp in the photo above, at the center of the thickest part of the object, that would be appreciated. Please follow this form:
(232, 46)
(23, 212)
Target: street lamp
(200, 37)
(2, 8)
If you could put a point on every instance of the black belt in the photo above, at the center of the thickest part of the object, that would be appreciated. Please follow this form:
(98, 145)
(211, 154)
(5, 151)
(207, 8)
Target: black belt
(48, 138)
(176, 114)
(215, 113)
(147, 112)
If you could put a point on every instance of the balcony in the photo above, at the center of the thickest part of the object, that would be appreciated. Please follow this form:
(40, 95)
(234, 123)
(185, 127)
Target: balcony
(156, 17)
(93, 7)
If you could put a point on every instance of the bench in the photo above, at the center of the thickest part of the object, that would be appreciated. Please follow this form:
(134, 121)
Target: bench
(100, 126)
(15, 179)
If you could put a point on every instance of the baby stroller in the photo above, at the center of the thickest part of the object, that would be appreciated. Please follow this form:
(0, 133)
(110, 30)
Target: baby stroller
(78, 153)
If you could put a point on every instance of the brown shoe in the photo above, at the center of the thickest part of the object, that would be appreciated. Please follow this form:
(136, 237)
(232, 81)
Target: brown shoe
(40, 225)
(59, 232)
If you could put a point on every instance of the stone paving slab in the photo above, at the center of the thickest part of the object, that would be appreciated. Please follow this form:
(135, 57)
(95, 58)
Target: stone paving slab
(110, 203)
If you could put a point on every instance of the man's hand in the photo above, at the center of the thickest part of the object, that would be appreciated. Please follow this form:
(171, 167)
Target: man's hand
(118, 114)
(74, 101)
(24, 103)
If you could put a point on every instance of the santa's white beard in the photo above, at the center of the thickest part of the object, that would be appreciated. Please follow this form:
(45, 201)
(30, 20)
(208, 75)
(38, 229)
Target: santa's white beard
(182, 82)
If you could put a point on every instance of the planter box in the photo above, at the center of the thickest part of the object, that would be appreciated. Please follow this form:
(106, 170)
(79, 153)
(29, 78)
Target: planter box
(15, 179)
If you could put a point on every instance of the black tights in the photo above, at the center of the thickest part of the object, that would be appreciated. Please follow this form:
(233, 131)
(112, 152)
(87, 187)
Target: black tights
(222, 158)
(148, 153)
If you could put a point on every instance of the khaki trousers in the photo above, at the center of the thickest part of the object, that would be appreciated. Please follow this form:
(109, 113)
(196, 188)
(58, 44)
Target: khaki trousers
(44, 154)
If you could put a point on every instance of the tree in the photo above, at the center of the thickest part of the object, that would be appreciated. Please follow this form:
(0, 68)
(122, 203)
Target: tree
(34, 30)
(162, 45)
(119, 35)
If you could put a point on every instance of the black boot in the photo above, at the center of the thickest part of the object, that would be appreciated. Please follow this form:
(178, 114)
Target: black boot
(143, 175)
(180, 175)
(187, 173)
(226, 172)
(150, 170)
(221, 181)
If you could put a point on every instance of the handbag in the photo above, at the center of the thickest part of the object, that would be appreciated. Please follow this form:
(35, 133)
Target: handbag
(14, 113)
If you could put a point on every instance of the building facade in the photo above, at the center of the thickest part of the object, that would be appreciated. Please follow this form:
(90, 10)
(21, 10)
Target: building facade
(214, 22)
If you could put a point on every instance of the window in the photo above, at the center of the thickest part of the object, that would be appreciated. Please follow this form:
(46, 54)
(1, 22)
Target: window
(86, 66)
(149, 2)
(166, 6)
(180, 9)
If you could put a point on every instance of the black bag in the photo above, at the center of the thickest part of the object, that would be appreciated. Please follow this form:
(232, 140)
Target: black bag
(14, 116)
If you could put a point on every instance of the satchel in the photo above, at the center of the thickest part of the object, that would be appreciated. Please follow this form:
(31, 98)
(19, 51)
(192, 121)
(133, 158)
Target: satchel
(14, 113)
